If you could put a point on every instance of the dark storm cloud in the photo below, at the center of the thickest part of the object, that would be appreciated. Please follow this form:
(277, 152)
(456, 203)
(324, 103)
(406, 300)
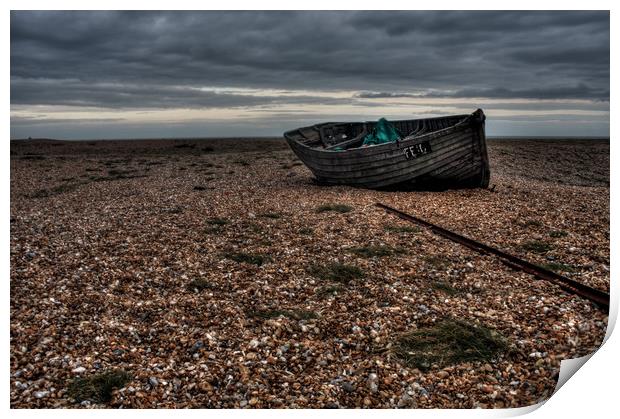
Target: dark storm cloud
(567, 92)
(580, 91)
(30, 121)
(464, 26)
(152, 59)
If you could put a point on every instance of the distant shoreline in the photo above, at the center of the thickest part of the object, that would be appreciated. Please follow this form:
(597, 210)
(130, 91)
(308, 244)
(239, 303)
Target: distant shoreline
(489, 137)
(544, 137)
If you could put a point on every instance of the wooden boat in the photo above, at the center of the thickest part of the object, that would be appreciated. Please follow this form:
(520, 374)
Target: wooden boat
(446, 152)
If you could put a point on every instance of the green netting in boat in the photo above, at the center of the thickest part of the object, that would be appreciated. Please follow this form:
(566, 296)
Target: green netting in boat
(384, 132)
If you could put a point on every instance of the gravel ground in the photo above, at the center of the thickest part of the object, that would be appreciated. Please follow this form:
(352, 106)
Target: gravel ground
(195, 273)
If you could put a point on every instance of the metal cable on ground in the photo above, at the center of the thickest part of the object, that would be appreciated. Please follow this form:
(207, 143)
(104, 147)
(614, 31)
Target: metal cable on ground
(599, 297)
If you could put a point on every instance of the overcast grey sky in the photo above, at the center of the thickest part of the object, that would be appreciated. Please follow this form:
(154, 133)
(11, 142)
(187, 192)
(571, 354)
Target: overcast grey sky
(175, 74)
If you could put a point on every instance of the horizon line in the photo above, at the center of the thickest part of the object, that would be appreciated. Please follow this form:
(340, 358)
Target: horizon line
(240, 137)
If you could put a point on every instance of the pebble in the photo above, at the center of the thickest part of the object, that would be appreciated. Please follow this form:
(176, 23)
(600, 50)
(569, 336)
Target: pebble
(41, 394)
(347, 386)
(372, 382)
(443, 374)
(78, 370)
(406, 401)
(197, 346)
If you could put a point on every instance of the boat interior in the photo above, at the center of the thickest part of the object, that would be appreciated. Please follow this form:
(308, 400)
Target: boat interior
(348, 135)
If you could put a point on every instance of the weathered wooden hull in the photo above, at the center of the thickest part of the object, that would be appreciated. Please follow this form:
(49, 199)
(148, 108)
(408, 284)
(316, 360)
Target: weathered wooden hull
(458, 156)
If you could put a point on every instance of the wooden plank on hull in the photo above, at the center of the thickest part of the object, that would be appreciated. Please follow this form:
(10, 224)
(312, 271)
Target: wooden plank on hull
(371, 153)
(387, 171)
(403, 175)
(394, 155)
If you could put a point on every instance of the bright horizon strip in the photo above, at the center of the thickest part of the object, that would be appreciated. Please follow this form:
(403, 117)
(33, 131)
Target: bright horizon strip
(554, 116)
(405, 106)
